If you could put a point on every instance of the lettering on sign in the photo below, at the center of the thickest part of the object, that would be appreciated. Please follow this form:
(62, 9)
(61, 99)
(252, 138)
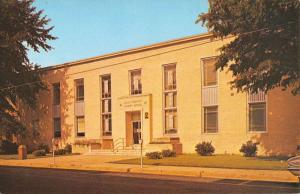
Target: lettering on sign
(133, 103)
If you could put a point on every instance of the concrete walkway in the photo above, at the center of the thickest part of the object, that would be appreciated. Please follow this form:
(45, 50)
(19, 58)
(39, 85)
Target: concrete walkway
(103, 163)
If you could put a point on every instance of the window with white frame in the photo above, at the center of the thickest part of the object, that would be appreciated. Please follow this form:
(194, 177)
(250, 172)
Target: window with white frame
(209, 72)
(257, 111)
(211, 119)
(210, 95)
(80, 126)
(135, 82)
(79, 87)
(106, 105)
(170, 77)
(170, 99)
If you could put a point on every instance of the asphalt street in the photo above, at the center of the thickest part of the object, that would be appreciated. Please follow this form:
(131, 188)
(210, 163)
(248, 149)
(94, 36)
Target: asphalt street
(34, 180)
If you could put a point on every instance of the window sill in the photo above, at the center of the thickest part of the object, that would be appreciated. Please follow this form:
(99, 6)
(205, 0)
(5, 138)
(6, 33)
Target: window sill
(136, 94)
(211, 133)
(210, 86)
(257, 132)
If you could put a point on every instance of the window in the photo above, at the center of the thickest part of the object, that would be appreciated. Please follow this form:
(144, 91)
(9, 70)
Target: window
(257, 111)
(106, 86)
(106, 105)
(210, 95)
(170, 121)
(56, 93)
(56, 110)
(170, 77)
(209, 72)
(257, 116)
(80, 125)
(135, 82)
(106, 124)
(57, 127)
(79, 90)
(170, 99)
(211, 119)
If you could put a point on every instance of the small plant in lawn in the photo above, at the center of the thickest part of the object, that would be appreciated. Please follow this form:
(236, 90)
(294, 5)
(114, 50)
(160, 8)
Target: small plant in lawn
(205, 148)
(43, 146)
(39, 153)
(249, 149)
(168, 153)
(68, 149)
(154, 155)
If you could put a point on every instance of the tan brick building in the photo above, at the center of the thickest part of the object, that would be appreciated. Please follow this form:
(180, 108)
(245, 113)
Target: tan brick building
(168, 94)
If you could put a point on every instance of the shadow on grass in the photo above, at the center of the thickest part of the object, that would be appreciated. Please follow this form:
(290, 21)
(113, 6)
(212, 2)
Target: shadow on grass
(272, 158)
(31, 156)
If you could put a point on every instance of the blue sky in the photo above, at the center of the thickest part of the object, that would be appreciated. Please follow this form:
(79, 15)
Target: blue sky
(87, 28)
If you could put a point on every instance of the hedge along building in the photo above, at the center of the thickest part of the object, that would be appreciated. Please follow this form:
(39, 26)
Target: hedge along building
(169, 95)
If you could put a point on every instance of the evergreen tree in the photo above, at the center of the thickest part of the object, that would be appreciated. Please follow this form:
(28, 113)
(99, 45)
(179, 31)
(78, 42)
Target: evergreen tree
(22, 27)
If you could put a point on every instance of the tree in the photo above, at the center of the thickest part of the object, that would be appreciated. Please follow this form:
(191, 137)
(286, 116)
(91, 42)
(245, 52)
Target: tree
(22, 27)
(264, 53)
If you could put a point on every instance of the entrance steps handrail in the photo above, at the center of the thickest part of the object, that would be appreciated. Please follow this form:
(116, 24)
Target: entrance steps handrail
(118, 144)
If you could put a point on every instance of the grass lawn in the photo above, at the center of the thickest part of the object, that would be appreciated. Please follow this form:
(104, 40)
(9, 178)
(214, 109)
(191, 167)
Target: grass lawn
(216, 161)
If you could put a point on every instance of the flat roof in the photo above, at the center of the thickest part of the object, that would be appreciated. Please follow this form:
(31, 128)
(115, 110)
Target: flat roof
(131, 51)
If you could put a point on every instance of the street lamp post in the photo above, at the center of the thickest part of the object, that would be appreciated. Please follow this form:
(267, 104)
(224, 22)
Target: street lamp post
(53, 148)
(141, 142)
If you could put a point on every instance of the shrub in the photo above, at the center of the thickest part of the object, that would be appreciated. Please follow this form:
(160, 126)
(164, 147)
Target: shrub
(205, 148)
(39, 153)
(249, 149)
(60, 152)
(68, 149)
(168, 153)
(154, 155)
(7, 147)
(43, 146)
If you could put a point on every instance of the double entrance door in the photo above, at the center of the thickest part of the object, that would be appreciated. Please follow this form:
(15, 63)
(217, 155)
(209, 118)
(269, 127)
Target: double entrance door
(133, 127)
(136, 127)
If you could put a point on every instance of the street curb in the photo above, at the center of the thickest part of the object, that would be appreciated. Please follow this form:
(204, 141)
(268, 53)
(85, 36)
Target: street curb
(259, 175)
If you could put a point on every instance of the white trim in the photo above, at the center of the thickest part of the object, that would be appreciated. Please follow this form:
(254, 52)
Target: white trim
(102, 113)
(129, 79)
(164, 92)
(202, 72)
(247, 116)
(212, 86)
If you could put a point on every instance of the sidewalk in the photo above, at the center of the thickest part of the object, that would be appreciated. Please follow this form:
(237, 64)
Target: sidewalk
(103, 163)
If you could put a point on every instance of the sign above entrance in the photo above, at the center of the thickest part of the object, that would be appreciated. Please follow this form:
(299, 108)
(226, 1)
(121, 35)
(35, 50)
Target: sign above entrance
(132, 103)
(136, 103)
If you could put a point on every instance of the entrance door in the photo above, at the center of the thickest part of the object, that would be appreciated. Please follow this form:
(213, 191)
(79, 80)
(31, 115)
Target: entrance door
(133, 127)
(136, 126)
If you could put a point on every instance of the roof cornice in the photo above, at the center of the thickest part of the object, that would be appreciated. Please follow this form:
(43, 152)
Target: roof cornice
(131, 51)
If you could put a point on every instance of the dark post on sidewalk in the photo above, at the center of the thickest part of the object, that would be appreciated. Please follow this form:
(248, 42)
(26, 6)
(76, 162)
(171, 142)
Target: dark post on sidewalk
(22, 152)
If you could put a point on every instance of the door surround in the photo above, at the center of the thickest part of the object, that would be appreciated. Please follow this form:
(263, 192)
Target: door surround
(130, 117)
